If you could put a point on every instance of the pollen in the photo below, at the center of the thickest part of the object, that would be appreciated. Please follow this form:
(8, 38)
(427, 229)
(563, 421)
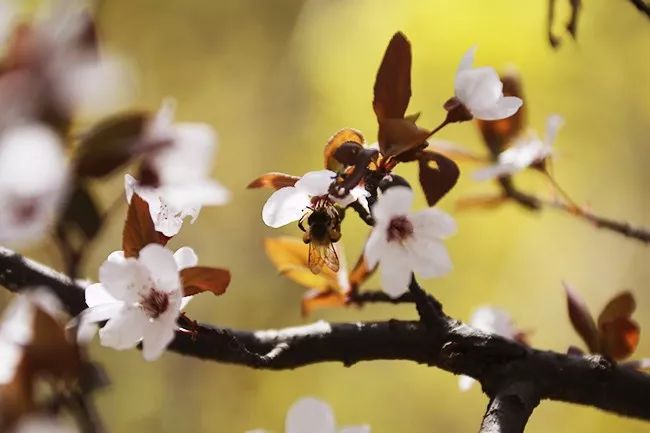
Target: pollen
(399, 229)
(155, 303)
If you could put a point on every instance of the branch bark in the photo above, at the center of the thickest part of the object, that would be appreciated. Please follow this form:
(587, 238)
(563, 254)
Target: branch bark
(452, 346)
(509, 410)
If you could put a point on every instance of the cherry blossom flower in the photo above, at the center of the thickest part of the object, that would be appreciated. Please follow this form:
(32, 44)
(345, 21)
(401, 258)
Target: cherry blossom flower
(403, 242)
(310, 415)
(290, 203)
(494, 321)
(181, 169)
(141, 299)
(525, 152)
(481, 92)
(33, 182)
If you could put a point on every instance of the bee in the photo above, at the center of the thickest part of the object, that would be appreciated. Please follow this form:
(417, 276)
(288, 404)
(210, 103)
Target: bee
(324, 228)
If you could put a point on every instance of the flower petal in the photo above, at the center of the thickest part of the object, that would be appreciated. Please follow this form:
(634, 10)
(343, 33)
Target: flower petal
(123, 280)
(316, 183)
(160, 263)
(465, 383)
(309, 415)
(375, 245)
(96, 294)
(494, 171)
(185, 257)
(284, 206)
(429, 258)
(395, 273)
(356, 429)
(124, 330)
(432, 222)
(394, 201)
(157, 336)
(504, 107)
(467, 60)
(553, 124)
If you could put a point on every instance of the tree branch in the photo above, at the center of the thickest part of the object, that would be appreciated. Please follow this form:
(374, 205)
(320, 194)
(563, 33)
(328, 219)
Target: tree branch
(642, 6)
(509, 410)
(454, 347)
(533, 202)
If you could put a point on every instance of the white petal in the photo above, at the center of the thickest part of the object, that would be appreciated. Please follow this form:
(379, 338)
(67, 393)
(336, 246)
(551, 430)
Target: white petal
(429, 258)
(123, 280)
(185, 257)
(10, 356)
(553, 124)
(116, 257)
(503, 108)
(184, 301)
(465, 383)
(87, 322)
(96, 294)
(130, 184)
(162, 267)
(467, 60)
(375, 245)
(494, 171)
(395, 201)
(310, 415)
(432, 222)
(157, 336)
(395, 276)
(124, 330)
(495, 321)
(284, 206)
(487, 89)
(316, 183)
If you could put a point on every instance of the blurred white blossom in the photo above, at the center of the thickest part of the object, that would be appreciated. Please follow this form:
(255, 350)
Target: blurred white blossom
(525, 151)
(181, 168)
(33, 182)
(42, 424)
(494, 321)
(7, 14)
(403, 242)
(310, 415)
(481, 91)
(141, 299)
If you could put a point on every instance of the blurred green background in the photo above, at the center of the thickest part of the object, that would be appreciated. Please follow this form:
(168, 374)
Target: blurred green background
(276, 79)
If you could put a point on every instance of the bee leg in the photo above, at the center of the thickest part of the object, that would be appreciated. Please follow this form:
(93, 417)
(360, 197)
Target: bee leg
(306, 238)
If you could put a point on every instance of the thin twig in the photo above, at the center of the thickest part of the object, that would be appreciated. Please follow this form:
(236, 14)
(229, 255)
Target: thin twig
(509, 410)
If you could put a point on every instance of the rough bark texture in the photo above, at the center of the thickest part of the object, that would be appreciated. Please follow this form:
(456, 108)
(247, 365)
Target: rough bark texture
(450, 345)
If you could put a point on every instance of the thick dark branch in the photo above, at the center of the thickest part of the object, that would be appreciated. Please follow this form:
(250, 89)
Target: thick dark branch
(454, 347)
(509, 410)
(378, 297)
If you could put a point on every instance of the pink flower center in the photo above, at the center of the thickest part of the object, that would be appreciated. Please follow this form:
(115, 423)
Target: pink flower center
(155, 303)
(399, 229)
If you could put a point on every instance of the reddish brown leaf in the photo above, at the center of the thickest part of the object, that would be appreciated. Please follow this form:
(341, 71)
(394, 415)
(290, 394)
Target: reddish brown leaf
(498, 134)
(111, 144)
(393, 82)
(438, 175)
(619, 338)
(316, 300)
(347, 135)
(622, 305)
(273, 180)
(139, 230)
(199, 279)
(618, 333)
(581, 319)
(397, 136)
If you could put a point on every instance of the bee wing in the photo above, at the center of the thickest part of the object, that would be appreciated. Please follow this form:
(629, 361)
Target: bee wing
(322, 254)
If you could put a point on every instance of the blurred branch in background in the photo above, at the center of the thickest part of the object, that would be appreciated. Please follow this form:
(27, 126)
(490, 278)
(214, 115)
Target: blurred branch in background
(642, 6)
(501, 365)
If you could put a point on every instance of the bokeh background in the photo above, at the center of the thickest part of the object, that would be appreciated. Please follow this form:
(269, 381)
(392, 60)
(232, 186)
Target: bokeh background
(276, 79)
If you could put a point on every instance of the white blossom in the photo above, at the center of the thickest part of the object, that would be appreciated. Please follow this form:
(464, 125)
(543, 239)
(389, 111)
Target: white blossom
(481, 91)
(494, 321)
(33, 182)
(310, 415)
(402, 242)
(525, 152)
(182, 169)
(141, 299)
(290, 203)
(7, 15)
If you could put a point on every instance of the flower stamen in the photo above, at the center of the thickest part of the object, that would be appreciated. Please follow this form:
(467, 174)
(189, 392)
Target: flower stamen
(399, 229)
